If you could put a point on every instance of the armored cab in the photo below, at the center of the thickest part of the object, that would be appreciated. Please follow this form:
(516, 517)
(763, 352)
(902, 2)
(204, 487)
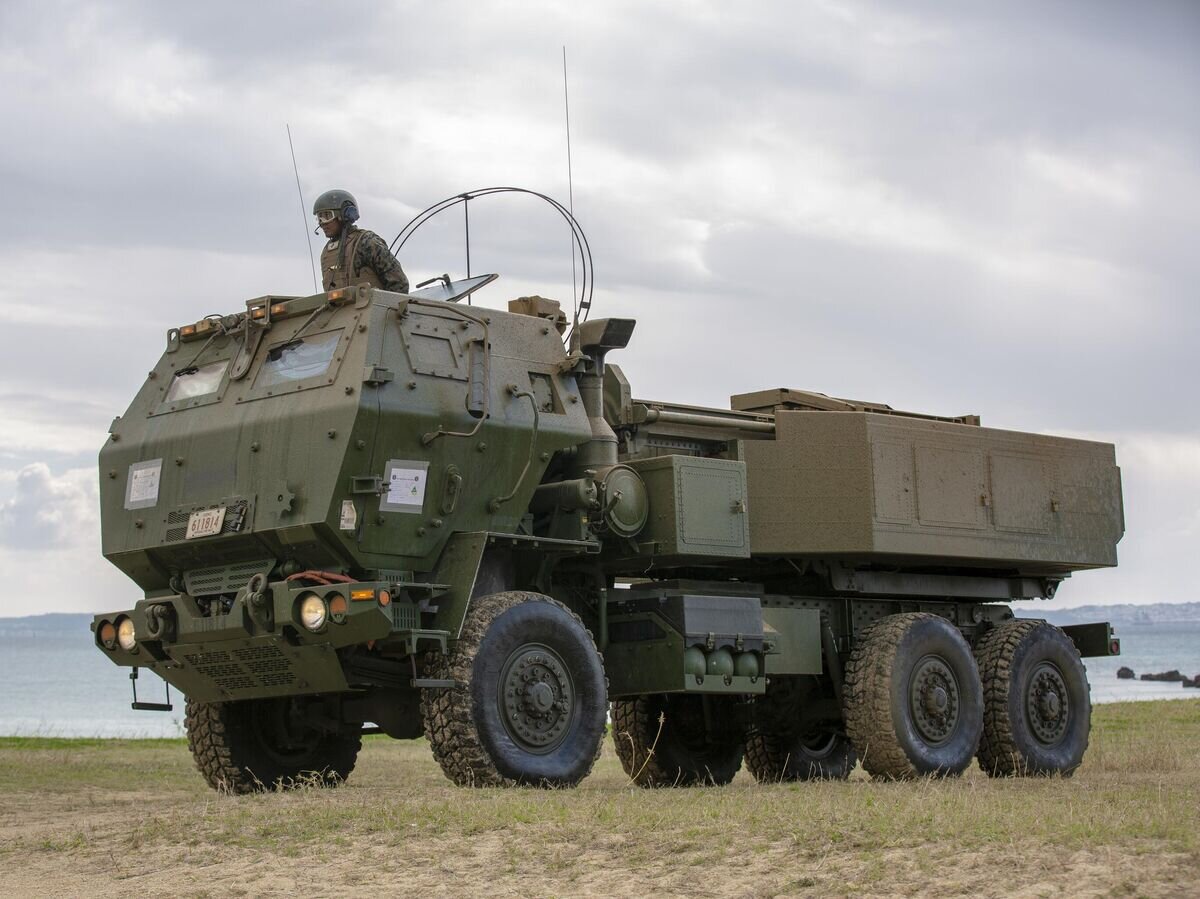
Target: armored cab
(362, 511)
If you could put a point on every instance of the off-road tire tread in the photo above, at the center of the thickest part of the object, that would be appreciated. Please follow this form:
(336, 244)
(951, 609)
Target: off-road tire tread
(769, 744)
(635, 732)
(867, 693)
(214, 749)
(447, 713)
(999, 754)
(769, 757)
(634, 736)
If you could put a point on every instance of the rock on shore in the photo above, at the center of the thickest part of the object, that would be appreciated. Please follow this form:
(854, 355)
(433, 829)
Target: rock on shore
(1172, 677)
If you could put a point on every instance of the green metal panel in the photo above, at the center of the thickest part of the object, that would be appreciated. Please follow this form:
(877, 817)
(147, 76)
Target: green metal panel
(304, 460)
(795, 638)
(697, 507)
(884, 486)
(651, 628)
(1094, 639)
(457, 568)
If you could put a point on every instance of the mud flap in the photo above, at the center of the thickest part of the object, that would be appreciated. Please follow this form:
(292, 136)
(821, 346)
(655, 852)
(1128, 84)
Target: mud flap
(459, 568)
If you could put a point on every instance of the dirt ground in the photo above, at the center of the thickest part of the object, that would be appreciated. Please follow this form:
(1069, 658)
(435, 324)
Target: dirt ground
(109, 819)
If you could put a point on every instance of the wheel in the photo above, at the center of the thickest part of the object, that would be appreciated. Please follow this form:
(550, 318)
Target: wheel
(662, 741)
(813, 755)
(913, 700)
(260, 744)
(530, 696)
(1037, 710)
(782, 746)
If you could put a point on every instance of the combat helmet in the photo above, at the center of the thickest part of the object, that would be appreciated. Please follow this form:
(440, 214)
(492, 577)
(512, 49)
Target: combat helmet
(340, 201)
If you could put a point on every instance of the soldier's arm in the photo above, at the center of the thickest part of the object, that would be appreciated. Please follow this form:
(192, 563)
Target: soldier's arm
(375, 255)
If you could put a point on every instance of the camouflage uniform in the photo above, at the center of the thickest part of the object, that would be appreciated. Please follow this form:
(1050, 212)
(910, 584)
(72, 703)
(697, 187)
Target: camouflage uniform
(358, 256)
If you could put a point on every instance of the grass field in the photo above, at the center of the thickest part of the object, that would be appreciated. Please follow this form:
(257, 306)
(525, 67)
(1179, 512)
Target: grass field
(97, 817)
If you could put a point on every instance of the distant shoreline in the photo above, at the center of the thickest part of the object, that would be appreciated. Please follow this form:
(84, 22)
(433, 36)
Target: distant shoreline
(1122, 614)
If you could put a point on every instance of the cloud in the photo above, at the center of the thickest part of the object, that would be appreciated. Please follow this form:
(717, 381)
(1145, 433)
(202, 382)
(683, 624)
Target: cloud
(48, 512)
(967, 208)
(1113, 184)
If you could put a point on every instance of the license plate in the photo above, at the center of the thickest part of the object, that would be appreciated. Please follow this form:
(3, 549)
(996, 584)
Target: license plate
(206, 522)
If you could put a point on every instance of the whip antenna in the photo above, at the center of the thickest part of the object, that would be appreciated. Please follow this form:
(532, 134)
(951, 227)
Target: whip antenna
(570, 186)
(304, 215)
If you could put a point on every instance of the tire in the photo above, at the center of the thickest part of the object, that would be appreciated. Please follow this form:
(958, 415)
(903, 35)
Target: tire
(815, 755)
(913, 699)
(781, 747)
(261, 744)
(530, 698)
(661, 741)
(1037, 711)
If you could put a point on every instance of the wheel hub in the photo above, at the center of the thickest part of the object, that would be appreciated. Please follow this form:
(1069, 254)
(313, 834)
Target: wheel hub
(1046, 704)
(936, 700)
(819, 744)
(933, 699)
(537, 698)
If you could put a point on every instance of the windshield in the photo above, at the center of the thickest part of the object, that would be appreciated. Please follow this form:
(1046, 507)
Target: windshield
(196, 381)
(297, 360)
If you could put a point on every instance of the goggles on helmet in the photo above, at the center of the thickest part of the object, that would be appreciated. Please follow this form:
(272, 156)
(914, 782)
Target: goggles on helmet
(326, 215)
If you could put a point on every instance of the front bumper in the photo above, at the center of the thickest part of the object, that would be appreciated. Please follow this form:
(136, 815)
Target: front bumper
(260, 648)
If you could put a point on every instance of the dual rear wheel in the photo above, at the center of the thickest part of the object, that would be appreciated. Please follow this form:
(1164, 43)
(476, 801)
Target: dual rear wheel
(919, 702)
(1037, 709)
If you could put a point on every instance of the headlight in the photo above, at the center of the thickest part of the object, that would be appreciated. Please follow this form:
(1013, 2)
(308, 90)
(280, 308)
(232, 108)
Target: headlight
(313, 611)
(126, 636)
(108, 635)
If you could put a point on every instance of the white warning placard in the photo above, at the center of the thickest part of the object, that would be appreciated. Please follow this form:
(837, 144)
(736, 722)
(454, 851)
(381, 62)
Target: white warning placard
(141, 491)
(349, 520)
(404, 486)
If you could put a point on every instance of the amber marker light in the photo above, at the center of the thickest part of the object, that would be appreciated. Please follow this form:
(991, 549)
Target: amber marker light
(258, 312)
(385, 598)
(108, 635)
(187, 331)
(362, 595)
(279, 309)
(337, 296)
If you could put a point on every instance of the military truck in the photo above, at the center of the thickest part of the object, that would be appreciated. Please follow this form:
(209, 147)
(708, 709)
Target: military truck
(366, 512)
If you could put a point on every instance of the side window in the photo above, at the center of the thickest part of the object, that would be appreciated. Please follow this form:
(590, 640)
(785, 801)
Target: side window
(201, 380)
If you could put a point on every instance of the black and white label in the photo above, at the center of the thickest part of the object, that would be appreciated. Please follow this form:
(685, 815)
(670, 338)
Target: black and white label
(141, 490)
(404, 485)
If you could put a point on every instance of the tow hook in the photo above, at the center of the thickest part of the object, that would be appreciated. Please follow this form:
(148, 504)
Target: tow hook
(258, 602)
(160, 622)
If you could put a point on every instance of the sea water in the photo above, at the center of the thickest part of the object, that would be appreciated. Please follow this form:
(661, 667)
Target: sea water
(56, 683)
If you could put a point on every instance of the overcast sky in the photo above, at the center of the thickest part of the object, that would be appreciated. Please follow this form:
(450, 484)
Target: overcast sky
(948, 207)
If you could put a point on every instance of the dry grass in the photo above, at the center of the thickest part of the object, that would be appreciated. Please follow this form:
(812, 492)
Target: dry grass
(108, 817)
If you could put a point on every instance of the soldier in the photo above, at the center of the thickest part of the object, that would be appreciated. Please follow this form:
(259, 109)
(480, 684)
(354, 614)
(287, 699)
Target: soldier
(353, 255)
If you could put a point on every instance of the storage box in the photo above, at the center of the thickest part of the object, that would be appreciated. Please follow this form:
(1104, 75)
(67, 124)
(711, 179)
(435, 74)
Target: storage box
(886, 487)
(697, 507)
